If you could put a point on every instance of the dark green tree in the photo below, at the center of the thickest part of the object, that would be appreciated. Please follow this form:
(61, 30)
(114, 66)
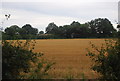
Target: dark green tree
(84, 31)
(101, 27)
(74, 29)
(41, 32)
(75, 24)
(12, 32)
(118, 26)
(30, 30)
(52, 28)
(65, 31)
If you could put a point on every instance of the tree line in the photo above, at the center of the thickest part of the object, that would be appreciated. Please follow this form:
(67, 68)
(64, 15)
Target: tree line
(97, 28)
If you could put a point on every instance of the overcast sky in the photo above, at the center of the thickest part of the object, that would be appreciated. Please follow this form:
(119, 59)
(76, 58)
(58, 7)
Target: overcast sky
(39, 13)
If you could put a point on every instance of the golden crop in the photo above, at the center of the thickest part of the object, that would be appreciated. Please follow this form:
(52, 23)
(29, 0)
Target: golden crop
(69, 56)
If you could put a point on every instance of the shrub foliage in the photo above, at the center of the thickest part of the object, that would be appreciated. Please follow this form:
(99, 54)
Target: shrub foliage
(106, 59)
(20, 62)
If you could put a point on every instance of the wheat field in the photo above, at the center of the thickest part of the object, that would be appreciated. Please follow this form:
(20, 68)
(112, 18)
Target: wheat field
(69, 56)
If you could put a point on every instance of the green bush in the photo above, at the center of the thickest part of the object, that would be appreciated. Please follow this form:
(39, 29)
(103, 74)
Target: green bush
(106, 59)
(20, 62)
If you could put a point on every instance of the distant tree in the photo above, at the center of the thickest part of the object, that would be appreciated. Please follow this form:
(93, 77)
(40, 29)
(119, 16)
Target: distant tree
(41, 32)
(101, 27)
(98, 28)
(66, 31)
(12, 32)
(118, 26)
(51, 28)
(23, 34)
(74, 29)
(30, 30)
(84, 31)
(75, 24)
(26, 32)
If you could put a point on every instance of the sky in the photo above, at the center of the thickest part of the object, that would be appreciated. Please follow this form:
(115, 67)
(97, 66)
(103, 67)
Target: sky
(39, 13)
